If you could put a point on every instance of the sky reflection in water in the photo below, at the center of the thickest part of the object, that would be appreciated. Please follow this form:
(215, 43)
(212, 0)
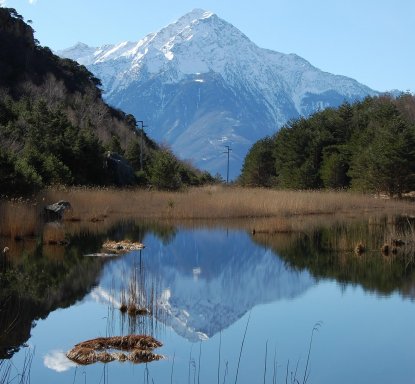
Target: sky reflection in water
(211, 281)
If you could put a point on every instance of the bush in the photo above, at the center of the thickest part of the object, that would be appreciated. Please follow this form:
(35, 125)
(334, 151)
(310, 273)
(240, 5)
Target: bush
(165, 171)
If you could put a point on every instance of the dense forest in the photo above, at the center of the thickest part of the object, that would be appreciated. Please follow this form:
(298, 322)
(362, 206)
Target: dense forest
(56, 129)
(367, 146)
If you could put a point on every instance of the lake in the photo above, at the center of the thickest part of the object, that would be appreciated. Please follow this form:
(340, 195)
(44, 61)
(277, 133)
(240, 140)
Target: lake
(229, 306)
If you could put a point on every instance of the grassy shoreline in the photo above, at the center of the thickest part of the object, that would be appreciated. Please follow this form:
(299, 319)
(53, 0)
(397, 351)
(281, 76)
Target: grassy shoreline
(220, 202)
(263, 209)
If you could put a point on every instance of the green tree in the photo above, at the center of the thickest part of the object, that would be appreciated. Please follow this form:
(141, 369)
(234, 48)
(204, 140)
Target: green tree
(132, 154)
(387, 164)
(165, 170)
(384, 156)
(16, 176)
(259, 165)
(297, 156)
(334, 167)
(115, 145)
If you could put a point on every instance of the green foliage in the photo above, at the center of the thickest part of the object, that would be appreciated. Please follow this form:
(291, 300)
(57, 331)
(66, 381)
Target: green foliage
(16, 176)
(141, 178)
(169, 173)
(334, 167)
(53, 151)
(318, 252)
(165, 171)
(368, 146)
(206, 178)
(54, 126)
(115, 145)
(259, 165)
(297, 157)
(132, 154)
(387, 163)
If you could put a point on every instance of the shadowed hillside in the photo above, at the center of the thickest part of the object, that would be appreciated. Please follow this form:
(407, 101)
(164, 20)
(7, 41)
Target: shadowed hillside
(56, 129)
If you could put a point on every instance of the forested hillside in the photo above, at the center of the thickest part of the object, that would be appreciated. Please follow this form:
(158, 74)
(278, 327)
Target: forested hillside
(56, 129)
(366, 146)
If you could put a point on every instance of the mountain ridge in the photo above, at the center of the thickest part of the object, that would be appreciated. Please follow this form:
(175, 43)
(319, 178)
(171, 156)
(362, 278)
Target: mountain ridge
(170, 79)
(55, 128)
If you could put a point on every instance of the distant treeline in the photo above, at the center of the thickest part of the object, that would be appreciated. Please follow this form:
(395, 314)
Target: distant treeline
(56, 129)
(366, 146)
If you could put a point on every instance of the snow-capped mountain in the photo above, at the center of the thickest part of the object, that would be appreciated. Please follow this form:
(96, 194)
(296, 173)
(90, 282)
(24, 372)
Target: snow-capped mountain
(207, 279)
(201, 84)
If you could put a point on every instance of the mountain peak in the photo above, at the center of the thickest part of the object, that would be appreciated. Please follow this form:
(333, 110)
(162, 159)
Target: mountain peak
(196, 14)
(202, 82)
(80, 44)
(185, 23)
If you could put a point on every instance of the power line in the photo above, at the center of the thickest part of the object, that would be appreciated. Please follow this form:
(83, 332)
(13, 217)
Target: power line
(141, 142)
(227, 168)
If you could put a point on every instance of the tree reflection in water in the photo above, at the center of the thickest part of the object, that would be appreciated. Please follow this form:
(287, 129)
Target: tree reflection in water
(197, 289)
(328, 252)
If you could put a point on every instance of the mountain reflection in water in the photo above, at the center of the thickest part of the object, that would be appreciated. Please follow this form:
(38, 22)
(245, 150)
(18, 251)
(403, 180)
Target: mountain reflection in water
(210, 278)
(200, 283)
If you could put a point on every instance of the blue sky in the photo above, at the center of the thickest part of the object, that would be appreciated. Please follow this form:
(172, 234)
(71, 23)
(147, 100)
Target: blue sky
(371, 41)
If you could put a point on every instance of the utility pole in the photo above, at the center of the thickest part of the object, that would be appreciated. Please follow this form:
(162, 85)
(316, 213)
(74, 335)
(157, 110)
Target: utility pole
(228, 149)
(141, 142)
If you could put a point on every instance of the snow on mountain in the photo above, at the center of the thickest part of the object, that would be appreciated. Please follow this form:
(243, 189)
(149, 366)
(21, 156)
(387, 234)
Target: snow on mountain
(200, 84)
(207, 279)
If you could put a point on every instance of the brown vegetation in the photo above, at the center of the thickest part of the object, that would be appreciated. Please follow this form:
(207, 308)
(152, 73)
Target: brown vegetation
(140, 349)
(268, 211)
(18, 219)
(133, 310)
(359, 249)
(217, 202)
(124, 343)
(122, 246)
(54, 234)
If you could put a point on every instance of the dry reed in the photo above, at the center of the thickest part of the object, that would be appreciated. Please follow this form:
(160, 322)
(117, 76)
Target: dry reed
(268, 211)
(54, 234)
(220, 202)
(18, 219)
(140, 348)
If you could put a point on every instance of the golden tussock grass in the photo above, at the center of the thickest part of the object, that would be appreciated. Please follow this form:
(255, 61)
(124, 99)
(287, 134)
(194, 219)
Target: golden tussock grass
(268, 211)
(18, 219)
(219, 202)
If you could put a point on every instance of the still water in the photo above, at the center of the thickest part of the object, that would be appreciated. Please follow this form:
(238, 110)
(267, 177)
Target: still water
(228, 307)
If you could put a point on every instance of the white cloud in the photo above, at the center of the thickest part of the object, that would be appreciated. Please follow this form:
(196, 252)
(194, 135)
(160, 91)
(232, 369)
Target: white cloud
(2, 3)
(58, 361)
(32, 2)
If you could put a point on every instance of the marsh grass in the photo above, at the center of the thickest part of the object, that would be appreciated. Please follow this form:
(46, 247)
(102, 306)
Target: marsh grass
(218, 202)
(10, 373)
(19, 219)
(399, 240)
(94, 209)
(123, 300)
(138, 301)
(53, 234)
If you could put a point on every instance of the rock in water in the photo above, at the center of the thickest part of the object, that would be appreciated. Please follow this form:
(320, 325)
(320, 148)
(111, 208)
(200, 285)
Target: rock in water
(55, 211)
